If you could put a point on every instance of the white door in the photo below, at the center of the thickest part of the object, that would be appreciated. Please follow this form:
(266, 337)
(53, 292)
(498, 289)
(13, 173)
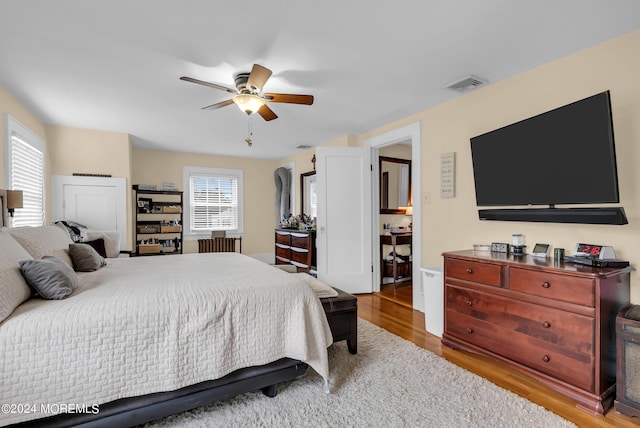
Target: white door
(343, 237)
(93, 206)
(97, 202)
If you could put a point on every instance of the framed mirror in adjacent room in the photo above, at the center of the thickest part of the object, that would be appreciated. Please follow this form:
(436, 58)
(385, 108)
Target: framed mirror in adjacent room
(395, 185)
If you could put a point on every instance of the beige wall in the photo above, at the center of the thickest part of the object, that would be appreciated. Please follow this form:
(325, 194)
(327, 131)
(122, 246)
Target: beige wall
(74, 150)
(400, 151)
(87, 151)
(448, 224)
(156, 167)
(452, 224)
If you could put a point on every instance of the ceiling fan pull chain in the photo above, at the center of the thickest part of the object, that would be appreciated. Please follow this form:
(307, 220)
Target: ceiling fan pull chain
(250, 132)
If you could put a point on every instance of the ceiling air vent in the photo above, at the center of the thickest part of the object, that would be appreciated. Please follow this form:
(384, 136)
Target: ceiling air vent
(303, 147)
(467, 83)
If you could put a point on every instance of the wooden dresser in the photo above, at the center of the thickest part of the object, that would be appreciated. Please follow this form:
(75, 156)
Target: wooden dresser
(296, 247)
(552, 320)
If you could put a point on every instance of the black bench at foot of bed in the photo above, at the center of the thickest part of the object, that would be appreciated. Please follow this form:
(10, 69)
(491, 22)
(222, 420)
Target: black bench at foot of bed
(128, 412)
(342, 315)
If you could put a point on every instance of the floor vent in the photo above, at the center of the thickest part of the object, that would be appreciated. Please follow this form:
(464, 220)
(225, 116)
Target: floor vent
(467, 83)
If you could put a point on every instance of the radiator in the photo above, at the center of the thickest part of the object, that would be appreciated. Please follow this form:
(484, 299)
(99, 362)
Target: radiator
(628, 360)
(219, 245)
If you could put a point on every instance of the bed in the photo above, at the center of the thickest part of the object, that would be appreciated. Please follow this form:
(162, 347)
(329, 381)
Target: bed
(141, 338)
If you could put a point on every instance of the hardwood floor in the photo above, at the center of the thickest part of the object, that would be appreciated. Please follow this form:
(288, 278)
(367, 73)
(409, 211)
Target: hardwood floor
(402, 293)
(400, 319)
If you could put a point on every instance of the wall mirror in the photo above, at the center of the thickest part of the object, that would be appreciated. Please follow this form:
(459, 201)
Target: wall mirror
(308, 198)
(395, 185)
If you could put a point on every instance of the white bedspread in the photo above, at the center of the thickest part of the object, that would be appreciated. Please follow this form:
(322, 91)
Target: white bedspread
(150, 324)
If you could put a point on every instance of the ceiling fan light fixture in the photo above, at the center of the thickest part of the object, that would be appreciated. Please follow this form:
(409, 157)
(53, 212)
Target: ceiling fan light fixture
(248, 103)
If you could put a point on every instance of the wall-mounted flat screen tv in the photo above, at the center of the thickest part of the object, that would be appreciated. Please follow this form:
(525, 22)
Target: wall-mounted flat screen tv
(564, 156)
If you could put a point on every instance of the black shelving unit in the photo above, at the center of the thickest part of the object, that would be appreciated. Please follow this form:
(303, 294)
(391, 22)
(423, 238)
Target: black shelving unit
(158, 222)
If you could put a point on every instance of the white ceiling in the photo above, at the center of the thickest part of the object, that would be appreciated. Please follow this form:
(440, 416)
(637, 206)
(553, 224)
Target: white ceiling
(114, 65)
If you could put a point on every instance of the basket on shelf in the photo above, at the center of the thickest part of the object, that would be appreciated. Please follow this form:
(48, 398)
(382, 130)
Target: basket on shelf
(148, 248)
(148, 228)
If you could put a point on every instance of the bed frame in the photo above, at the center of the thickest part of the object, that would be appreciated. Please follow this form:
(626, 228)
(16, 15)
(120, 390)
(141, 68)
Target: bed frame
(128, 412)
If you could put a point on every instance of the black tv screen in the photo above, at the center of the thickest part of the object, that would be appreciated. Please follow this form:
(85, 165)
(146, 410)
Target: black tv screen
(564, 156)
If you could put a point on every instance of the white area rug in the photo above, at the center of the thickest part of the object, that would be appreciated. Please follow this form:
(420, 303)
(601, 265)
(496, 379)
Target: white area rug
(390, 383)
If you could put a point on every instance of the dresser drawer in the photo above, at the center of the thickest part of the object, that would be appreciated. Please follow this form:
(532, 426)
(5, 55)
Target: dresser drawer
(300, 240)
(570, 289)
(283, 238)
(484, 273)
(300, 257)
(283, 253)
(573, 368)
(570, 331)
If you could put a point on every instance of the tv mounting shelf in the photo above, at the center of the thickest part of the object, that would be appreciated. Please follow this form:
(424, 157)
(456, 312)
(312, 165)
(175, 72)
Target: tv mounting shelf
(613, 215)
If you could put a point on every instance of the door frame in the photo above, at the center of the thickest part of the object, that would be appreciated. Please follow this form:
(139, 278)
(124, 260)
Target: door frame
(411, 132)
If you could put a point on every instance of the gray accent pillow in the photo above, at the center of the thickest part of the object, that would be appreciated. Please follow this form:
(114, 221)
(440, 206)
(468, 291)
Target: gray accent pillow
(85, 258)
(52, 278)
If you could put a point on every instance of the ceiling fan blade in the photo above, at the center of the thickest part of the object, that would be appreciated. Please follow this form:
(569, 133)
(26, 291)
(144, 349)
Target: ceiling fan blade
(289, 98)
(266, 113)
(209, 84)
(258, 77)
(218, 105)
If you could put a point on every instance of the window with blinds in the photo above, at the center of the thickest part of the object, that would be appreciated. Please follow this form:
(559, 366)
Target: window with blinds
(214, 200)
(25, 171)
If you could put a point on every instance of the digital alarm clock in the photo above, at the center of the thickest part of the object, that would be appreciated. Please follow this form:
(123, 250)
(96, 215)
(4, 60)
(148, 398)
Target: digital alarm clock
(594, 251)
(499, 247)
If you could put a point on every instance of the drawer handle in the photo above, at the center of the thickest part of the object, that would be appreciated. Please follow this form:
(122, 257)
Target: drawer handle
(469, 330)
(469, 302)
(545, 284)
(546, 324)
(546, 358)
(469, 271)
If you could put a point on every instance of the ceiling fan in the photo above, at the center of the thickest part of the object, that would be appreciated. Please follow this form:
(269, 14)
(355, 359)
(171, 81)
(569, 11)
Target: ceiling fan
(247, 93)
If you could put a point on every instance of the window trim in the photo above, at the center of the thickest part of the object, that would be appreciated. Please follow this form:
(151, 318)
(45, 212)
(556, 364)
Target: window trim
(13, 127)
(187, 172)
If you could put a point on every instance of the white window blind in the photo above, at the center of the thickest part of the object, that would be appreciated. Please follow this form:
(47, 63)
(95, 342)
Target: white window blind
(25, 171)
(213, 202)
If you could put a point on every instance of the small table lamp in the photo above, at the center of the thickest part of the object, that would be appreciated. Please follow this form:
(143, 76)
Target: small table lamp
(408, 211)
(14, 200)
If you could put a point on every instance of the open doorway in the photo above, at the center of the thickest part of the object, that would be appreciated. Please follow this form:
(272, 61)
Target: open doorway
(399, 280)
(395, 216)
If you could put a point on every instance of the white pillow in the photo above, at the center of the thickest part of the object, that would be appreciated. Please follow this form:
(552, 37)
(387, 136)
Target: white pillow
(44, 241)
(13, 288)
(322, 289)
(111, 241)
